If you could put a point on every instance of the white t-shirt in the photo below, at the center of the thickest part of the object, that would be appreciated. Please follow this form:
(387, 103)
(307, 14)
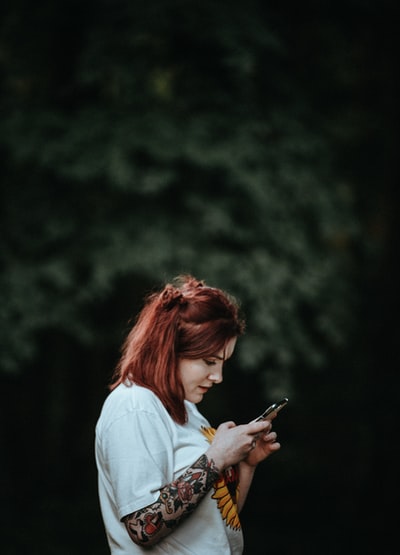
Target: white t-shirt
(140, 449)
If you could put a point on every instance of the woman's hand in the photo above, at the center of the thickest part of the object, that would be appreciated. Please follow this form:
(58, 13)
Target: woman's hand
(232, 444)
(263, 446)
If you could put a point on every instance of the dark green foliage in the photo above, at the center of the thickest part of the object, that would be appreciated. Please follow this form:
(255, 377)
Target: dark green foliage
(135, 150)
(251, 144)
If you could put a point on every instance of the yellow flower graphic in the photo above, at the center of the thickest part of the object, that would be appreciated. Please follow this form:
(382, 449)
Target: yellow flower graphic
(226, 490)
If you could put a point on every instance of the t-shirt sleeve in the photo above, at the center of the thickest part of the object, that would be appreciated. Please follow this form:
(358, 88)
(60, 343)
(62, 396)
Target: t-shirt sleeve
(138, 454)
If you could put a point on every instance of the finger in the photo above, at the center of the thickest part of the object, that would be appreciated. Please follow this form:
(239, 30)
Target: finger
(258, 427)
(265, 430)
(268, 437)
(274, 446)
(227, 425)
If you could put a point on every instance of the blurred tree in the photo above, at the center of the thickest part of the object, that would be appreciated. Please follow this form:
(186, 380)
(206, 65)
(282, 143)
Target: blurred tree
(152, 139)
(251, 144)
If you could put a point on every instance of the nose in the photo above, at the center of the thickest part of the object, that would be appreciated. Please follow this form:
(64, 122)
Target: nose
(215, 376)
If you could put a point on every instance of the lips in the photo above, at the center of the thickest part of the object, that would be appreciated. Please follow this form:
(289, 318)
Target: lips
(203, 388)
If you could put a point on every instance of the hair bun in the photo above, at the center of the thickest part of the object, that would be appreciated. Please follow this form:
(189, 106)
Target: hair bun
(171, 297)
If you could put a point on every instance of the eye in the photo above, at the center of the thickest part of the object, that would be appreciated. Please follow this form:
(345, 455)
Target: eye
(209, 362)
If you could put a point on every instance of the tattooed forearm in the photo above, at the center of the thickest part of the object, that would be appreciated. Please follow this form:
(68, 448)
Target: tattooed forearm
(175, 502)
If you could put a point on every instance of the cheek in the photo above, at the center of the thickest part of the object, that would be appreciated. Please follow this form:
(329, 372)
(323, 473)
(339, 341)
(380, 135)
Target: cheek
(187, 371)
(193, 373)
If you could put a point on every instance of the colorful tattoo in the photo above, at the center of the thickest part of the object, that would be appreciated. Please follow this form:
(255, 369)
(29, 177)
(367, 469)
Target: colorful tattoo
(175, 502)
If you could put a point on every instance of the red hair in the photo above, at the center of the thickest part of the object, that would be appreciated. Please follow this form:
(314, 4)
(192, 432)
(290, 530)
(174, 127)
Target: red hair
(186, 319)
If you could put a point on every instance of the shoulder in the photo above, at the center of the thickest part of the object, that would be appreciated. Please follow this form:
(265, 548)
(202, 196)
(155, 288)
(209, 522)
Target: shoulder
(133, 397)
(126, 401)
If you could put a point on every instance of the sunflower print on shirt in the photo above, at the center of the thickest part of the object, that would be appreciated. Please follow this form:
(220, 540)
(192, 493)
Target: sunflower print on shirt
(226, 489)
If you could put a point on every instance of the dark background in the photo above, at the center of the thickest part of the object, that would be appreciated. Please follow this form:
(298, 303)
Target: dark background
(254, 145)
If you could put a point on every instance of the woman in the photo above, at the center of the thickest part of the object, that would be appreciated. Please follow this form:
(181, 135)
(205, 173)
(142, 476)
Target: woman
(168, 482)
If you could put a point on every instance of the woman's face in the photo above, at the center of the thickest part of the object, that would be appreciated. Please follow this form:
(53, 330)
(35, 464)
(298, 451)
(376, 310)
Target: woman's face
(199, 375)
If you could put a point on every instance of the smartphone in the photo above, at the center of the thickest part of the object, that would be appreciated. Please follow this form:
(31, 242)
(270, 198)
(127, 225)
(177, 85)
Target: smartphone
(276, 407)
